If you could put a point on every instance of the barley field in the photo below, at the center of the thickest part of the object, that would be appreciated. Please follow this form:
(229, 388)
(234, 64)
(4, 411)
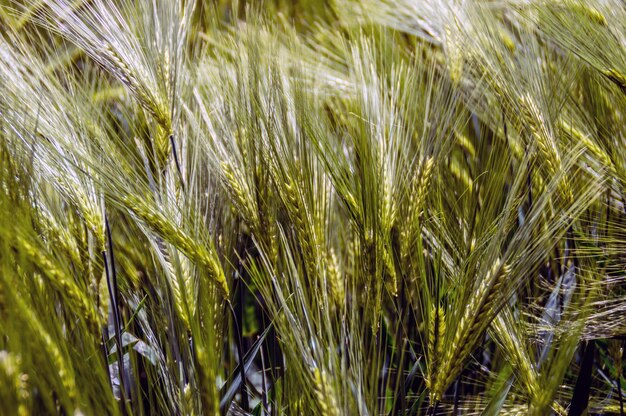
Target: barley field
(312, 207)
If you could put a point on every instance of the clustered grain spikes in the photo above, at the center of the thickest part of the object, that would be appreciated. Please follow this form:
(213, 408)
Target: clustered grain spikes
(298, 213)
(163, 148)
(314, 255)
(240, 194)
(186, 244)
(86, 207)
(417, 197)
(325, 393)
(61, 236)
(517, 353)
(206, 380)
(389, 268)
(455, 59)
(335, 279)
(596, 150)
(15, 393)
(417, 200)
(144, 95)
(166, 73)
(188, 406)
(64, 369)
(182, 285)
(551, 156)
(436, 343)
(473, 321)
(59, 280)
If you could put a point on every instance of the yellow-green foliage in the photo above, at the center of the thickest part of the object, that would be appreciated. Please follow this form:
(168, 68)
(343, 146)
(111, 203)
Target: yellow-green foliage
(342, 207)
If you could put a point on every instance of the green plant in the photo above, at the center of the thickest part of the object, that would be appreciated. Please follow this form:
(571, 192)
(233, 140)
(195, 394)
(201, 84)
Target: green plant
(371, 207)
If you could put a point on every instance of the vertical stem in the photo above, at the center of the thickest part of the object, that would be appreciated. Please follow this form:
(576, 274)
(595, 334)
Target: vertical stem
(244, 390)
(265, 410)
(456, 397)
(111, 276)
(175, 155)
(580, 396)
(619, 382)
(619, 394)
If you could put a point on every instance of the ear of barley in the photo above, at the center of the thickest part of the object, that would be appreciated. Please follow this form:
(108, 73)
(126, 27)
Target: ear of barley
(389, 269)
(335, 279)
(15, 392)
(473, 321)
(181, 282)
(436, 334)
(551, 157)
(419, 190)
(325, 393)
(206, 379)
(144, 95)
(240, 195)
(299, 214)
(189, 405)
(454, 54)
(166, 230)
(60, 281)
(505, 333)
(596, 150)
(65, 372)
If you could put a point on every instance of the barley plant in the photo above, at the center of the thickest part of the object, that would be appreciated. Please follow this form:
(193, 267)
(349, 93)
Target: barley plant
(312, 207)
